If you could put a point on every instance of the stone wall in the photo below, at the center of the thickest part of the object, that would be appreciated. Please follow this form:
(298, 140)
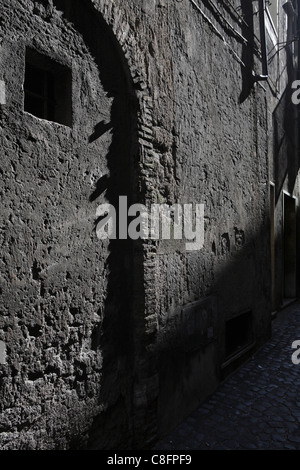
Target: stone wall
(109, 343)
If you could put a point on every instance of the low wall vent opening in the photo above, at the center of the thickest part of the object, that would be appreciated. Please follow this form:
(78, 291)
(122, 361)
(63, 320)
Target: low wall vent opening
(238, 335)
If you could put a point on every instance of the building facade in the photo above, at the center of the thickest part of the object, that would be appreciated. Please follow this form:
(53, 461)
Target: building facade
(108, 342)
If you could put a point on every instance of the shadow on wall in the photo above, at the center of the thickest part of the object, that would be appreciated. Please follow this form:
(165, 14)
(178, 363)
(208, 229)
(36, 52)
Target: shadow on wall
(248, 47)
(244, 282)
(285, 149)
(197, 350)
(247, 30)
(115, 337)
(198, 347)
(188, 370)
(247, 39)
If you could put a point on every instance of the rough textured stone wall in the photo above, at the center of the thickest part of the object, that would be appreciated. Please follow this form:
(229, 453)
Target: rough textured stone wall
(109, 343)
(62, 288)
(219, 159)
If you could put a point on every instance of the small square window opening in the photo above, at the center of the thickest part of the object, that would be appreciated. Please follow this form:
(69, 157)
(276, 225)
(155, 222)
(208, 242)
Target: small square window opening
(47, 89)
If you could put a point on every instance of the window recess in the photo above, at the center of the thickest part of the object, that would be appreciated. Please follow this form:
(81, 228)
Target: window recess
(47, 89)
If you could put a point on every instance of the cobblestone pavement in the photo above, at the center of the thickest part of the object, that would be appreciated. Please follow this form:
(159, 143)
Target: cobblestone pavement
(257, 407)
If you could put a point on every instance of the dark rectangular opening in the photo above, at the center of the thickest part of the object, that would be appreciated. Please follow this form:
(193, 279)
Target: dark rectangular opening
(272, 245)
(238, 334)
(47, 88)
(289, 248)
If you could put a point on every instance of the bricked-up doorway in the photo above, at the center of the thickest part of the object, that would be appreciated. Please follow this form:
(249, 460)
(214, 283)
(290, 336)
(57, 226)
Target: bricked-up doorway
(289, 249)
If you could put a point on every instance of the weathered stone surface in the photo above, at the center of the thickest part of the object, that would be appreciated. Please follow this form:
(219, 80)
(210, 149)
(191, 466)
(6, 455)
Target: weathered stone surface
(164, 110)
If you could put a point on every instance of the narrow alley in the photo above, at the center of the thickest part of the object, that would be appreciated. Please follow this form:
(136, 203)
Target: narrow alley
(257, 407)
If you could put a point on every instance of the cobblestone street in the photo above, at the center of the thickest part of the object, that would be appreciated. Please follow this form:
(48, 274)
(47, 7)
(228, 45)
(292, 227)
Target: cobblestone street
(257, 407)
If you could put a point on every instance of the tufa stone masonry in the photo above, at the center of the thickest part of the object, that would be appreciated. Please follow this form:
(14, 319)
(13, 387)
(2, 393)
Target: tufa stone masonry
(109, 343)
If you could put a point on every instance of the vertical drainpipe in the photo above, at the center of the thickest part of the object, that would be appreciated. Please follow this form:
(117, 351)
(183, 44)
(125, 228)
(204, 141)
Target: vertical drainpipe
(262, 24)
